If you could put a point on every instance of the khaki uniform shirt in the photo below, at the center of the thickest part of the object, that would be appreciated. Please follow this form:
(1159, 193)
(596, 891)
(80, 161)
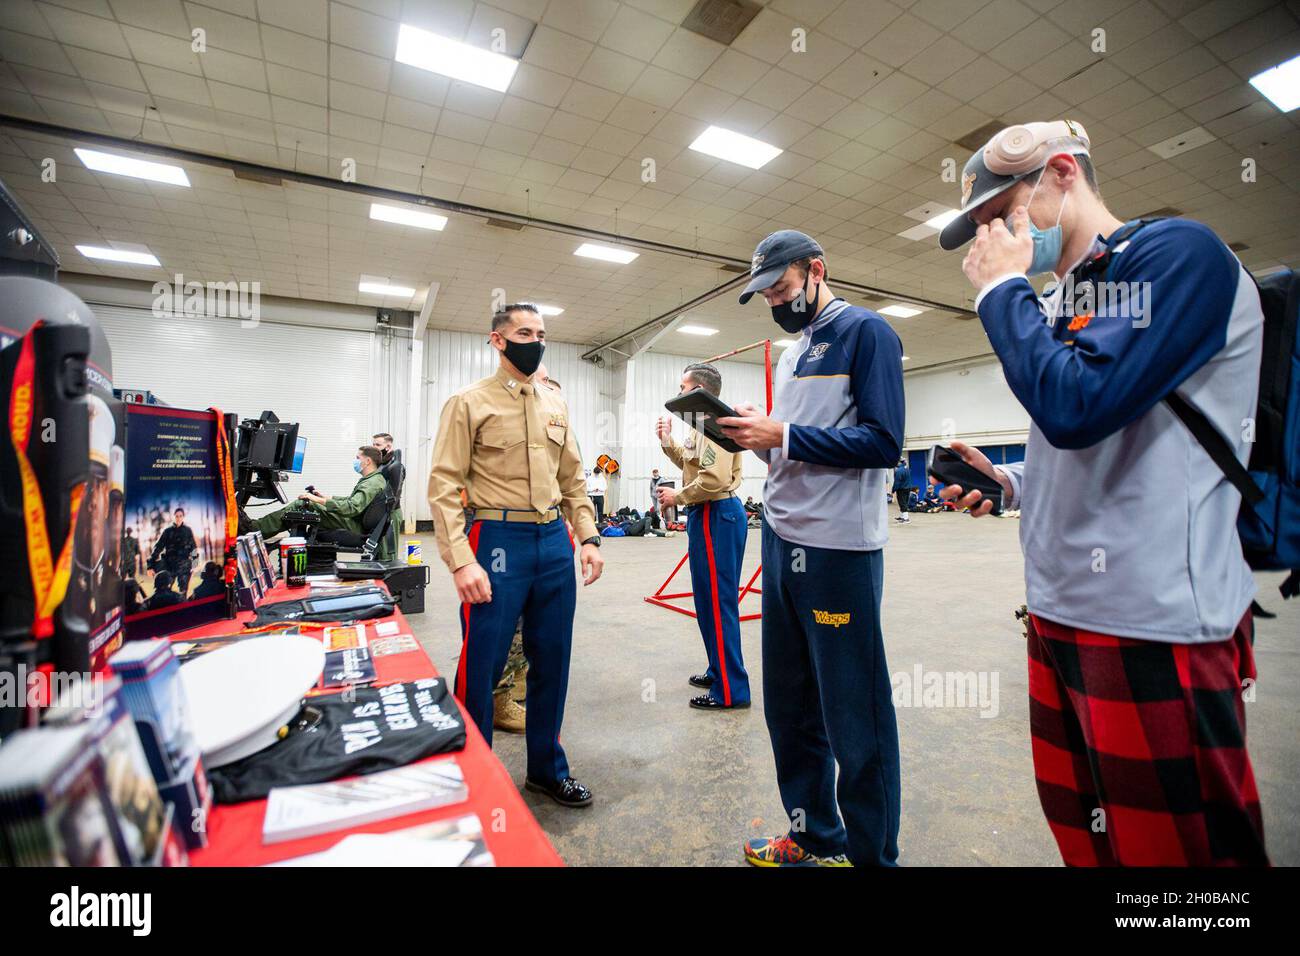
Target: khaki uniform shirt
(508, 445)
(709, 473)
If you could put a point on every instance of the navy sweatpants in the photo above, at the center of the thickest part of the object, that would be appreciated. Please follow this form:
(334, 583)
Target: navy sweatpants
(828, 699)
(532, 574)
(715, 533)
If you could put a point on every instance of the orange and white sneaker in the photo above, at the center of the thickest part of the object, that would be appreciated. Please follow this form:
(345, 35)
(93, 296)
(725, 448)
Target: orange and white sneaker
(783, 851)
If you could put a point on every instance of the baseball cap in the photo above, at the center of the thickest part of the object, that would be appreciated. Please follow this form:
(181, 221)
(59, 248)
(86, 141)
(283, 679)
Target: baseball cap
(1011, 155)
(773, 255)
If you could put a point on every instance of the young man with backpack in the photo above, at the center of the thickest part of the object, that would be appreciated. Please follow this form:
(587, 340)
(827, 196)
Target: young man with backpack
(1140, 630)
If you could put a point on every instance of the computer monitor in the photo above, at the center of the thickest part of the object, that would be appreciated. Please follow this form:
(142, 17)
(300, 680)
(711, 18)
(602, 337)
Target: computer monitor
(299, 453)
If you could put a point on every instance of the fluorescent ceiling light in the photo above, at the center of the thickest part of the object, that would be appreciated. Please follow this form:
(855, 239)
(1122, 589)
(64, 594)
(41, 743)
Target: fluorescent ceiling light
(696, 330)
(735, 147)
(376, 285)
(941, 220)
(906, 357)
(900, 311)
(606, 253)
(548, 309)
(407, 217)
(1281, 84)
(460, 61)
(785, 343)
(145, 258)
(135, 168)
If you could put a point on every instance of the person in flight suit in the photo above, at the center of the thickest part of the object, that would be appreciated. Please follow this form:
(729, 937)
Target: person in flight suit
(175, 552)
(340, 515)
(715, 532)
(509, 445)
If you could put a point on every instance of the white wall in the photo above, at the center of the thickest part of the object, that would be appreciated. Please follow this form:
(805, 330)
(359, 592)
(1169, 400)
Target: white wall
(319, 378)
(973, 404)
(654, 378)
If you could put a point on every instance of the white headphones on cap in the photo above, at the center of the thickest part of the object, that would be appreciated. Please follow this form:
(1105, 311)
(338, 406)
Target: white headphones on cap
(1022, 149)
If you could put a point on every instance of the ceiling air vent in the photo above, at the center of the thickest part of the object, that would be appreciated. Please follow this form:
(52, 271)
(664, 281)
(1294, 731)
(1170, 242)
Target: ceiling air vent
(737, 270)
(506, 224)
(1238, 246)
(720, 20)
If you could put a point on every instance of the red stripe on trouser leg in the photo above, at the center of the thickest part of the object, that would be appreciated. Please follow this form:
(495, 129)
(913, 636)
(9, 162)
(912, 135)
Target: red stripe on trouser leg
(461, 668)
(717, 608)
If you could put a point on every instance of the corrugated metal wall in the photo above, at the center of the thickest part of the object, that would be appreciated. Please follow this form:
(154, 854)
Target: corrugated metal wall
(655, 378)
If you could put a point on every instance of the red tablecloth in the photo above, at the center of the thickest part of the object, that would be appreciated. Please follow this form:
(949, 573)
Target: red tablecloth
(512, 832)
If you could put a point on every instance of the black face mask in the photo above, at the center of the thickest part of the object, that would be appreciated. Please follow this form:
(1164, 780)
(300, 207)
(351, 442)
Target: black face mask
(525, 356)
(792, 316)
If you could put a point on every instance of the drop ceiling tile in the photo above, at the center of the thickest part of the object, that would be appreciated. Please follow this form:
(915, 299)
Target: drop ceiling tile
(294, 50)
(636, 34)
(687, 54)
(364, 31)
(610, 70)
(301, 16)
(362, 69)
(225, 32)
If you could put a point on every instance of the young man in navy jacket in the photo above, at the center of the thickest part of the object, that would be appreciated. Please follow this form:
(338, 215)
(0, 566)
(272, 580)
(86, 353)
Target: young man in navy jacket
(835, 432)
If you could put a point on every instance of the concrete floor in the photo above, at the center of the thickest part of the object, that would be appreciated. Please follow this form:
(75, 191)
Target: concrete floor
(682, 787)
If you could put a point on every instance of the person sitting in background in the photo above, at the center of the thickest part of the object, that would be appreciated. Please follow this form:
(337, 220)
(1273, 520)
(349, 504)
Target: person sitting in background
(211, 581)
(163, 595)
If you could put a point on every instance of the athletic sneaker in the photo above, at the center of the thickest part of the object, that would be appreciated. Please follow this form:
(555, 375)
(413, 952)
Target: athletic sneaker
(783, 851)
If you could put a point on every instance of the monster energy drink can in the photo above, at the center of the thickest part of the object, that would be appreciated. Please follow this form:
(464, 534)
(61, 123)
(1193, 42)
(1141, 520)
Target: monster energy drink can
(293, 557)
(413, 553)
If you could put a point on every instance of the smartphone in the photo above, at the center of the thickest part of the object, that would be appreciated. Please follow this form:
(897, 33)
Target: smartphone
(948, 468)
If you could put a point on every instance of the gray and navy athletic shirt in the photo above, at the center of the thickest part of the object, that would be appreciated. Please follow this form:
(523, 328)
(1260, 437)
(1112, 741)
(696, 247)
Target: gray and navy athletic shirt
(1111, 479)
(840, 393)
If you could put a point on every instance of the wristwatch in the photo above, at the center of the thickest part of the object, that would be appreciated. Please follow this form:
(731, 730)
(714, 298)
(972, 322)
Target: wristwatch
(594, 539)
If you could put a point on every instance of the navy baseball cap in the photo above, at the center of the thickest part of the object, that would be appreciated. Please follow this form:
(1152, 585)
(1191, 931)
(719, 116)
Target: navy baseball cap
(773, 255)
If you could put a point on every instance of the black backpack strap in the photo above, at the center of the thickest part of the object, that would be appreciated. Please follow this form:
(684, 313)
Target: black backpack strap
(1217, 447)
(1100, 264)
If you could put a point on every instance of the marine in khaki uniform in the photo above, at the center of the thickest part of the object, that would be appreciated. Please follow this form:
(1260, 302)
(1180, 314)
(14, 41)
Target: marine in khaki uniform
(508, 444)
(716, 526)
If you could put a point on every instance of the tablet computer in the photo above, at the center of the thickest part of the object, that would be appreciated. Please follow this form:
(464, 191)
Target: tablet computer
(701, 410)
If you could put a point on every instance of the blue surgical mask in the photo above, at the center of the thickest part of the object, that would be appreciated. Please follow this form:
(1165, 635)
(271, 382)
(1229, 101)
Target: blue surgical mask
(1047, 242)
(356, 465)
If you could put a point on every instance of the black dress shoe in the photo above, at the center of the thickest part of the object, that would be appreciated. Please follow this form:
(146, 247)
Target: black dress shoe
(701, 680)
(567, 792)
(705, 702)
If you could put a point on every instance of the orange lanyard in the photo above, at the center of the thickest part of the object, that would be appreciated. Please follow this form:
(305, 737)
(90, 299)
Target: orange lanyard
(49, 576)
(227, 477)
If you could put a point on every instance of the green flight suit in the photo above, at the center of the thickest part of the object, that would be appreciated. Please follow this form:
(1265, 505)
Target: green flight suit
(337, 513)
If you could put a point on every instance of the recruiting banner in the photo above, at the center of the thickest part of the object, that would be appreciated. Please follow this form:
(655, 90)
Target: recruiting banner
(174, 534)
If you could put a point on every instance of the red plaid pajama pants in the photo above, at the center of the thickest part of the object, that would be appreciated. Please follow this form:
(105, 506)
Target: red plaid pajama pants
(1140, 748)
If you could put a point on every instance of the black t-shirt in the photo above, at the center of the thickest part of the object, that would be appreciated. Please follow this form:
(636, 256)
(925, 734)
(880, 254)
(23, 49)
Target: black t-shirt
(370, 729)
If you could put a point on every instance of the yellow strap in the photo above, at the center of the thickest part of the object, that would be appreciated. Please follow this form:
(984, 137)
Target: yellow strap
(49, 577)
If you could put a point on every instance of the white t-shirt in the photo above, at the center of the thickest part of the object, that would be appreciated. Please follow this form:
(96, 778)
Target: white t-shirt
(596, 484)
